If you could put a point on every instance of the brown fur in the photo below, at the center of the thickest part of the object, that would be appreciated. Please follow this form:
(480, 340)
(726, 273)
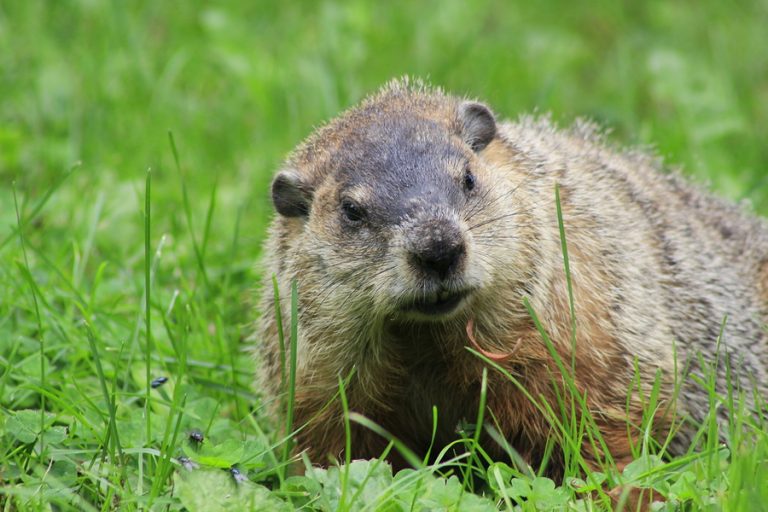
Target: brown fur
(655, 263)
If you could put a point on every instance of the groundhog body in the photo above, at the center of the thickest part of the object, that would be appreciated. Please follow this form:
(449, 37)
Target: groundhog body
(417, 226)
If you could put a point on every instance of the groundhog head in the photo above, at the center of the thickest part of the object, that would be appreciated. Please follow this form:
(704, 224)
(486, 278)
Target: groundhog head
(393, 209)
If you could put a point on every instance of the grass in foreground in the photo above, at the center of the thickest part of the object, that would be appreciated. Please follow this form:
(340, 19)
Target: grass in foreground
(90, 91)
(151, 432)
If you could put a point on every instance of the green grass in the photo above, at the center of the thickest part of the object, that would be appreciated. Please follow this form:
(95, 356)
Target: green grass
(89, 92)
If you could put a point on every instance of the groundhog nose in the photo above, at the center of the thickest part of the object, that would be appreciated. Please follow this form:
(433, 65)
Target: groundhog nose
(439, 258)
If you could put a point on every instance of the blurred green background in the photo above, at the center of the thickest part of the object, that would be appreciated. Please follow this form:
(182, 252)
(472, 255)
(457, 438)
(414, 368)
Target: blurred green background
(240, 83)
(95, 87)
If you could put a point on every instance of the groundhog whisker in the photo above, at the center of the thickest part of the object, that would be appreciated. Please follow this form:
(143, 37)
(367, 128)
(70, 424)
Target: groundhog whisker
(495, 219)
(323, 294)
(484, 204)
(526, 211)
(490, 258)
(350, 295)
(482, 201)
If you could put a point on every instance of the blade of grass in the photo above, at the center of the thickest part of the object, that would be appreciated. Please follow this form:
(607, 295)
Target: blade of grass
(208, 220)
(188, 211)
(288, 446)
(280, 333)
(178, 402)
(147, 314)
(408, 454)
(33, 289)
(38, 207)
(569, 281)
(112, 441)
(344, 474)
(426, 455)
(474, 443)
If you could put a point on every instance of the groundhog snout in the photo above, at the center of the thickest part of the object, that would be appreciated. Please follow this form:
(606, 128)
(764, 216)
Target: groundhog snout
(437, 249)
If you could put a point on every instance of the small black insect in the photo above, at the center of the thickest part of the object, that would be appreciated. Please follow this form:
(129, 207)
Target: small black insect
(237, 476)
(158, 382)
(196, 436)
(187, 463)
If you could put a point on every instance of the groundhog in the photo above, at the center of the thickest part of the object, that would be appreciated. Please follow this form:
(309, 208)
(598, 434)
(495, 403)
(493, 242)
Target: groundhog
(424, 238)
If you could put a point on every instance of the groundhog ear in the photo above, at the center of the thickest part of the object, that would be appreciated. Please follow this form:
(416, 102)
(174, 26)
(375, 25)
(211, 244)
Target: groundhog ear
(478, 126)
(291, 195)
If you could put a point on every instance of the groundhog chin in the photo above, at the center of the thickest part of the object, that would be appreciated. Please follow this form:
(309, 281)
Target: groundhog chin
(435, 306)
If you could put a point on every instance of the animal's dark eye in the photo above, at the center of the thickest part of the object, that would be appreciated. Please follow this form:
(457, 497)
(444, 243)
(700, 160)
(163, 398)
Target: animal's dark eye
(352, 212)
(469, 180)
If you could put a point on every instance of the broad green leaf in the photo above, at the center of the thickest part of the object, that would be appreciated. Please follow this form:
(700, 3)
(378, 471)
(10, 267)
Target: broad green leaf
(24, 425)
(223, 455)
(212, 490)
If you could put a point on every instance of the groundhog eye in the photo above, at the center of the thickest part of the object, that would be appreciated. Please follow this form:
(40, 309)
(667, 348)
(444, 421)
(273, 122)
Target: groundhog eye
(352, 212)
(469, 180)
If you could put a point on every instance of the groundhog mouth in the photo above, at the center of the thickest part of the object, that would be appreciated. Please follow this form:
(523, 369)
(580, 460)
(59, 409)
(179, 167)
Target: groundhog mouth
(437, 303)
